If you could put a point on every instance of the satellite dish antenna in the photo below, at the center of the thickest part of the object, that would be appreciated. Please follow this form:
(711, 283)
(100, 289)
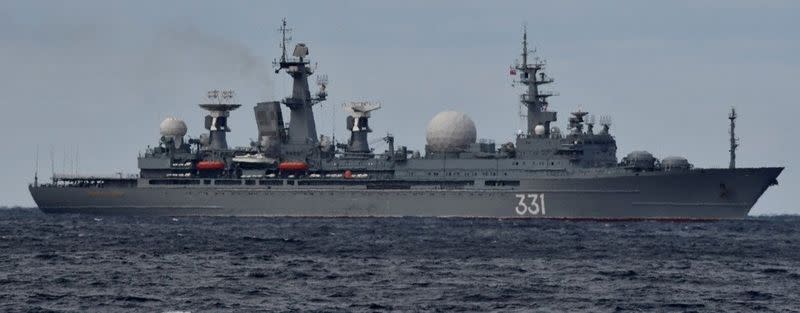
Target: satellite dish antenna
(361, 108)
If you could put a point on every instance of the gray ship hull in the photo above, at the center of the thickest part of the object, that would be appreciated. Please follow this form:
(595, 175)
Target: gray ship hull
(695, 194)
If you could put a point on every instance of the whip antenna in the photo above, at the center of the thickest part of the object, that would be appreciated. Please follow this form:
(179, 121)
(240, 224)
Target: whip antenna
(36, 169)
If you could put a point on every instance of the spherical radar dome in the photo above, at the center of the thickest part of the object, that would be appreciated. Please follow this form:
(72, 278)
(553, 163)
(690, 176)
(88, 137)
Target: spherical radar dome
(539, 130)
(450, 131)
(173, 127)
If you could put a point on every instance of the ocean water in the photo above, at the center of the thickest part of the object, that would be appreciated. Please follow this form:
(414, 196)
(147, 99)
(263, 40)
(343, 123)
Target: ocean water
(80, 263)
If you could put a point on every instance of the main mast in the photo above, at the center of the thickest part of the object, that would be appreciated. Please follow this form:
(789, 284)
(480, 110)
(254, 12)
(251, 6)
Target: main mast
(534, 99)
(302, 128)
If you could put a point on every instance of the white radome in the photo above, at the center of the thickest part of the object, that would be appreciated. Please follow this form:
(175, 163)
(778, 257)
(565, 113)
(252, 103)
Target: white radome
(538, 130)
(173, 127)
(640, 155)
(450, 131)
(675, 162)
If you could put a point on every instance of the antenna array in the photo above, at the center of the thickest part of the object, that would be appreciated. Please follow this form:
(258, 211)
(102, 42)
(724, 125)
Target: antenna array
(220, 97)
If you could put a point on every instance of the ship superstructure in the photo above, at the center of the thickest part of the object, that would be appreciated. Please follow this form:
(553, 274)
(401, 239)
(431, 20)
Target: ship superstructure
(290, 170)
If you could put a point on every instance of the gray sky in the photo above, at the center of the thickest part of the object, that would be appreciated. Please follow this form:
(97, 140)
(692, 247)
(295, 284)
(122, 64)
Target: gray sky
(97, 77)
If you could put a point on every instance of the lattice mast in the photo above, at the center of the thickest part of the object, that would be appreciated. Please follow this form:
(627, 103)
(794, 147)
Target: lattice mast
(535, 100)
(734, 141)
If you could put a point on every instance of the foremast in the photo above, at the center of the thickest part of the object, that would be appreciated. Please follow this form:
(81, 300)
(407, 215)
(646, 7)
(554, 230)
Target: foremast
(535, 100)
(734, 141)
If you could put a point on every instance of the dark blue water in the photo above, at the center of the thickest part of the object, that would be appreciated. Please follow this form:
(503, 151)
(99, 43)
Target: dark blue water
(155, 264)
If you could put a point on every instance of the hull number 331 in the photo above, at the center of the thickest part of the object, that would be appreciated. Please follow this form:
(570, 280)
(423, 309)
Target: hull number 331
(530, 203)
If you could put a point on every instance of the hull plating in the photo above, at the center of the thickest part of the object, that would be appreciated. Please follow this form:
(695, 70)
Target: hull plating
(697, 194)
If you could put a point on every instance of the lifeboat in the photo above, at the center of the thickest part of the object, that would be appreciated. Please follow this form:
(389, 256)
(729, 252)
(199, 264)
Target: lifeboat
(210, 165)
(293, 166)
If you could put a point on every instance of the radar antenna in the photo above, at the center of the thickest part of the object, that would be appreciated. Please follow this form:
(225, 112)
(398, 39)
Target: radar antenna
(358, 125)
(219, 107)
(213, 96)
(605, 121)
(361, 108)
(734, 141)
(285, 38)
(227, 96)
(322, 82)
(590, 121)
(220, 97)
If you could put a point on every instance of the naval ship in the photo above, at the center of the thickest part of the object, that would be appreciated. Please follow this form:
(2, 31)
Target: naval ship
(291, 171)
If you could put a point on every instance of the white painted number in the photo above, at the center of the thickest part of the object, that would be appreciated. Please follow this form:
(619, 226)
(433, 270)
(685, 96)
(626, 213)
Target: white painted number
(521, 206)
(532, 203)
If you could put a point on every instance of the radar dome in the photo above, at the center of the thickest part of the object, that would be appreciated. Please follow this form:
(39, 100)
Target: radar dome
(640, 156)
(538, 130)
(450, 131)
(672, 163)
(641, 160)
(173, 127)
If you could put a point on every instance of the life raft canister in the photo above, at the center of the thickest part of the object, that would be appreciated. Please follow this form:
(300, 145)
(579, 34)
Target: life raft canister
(293, 166)
(210, 165)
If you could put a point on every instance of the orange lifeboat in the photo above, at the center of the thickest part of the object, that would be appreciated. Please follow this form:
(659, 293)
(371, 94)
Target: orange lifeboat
(293, 166)
(210, 165)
